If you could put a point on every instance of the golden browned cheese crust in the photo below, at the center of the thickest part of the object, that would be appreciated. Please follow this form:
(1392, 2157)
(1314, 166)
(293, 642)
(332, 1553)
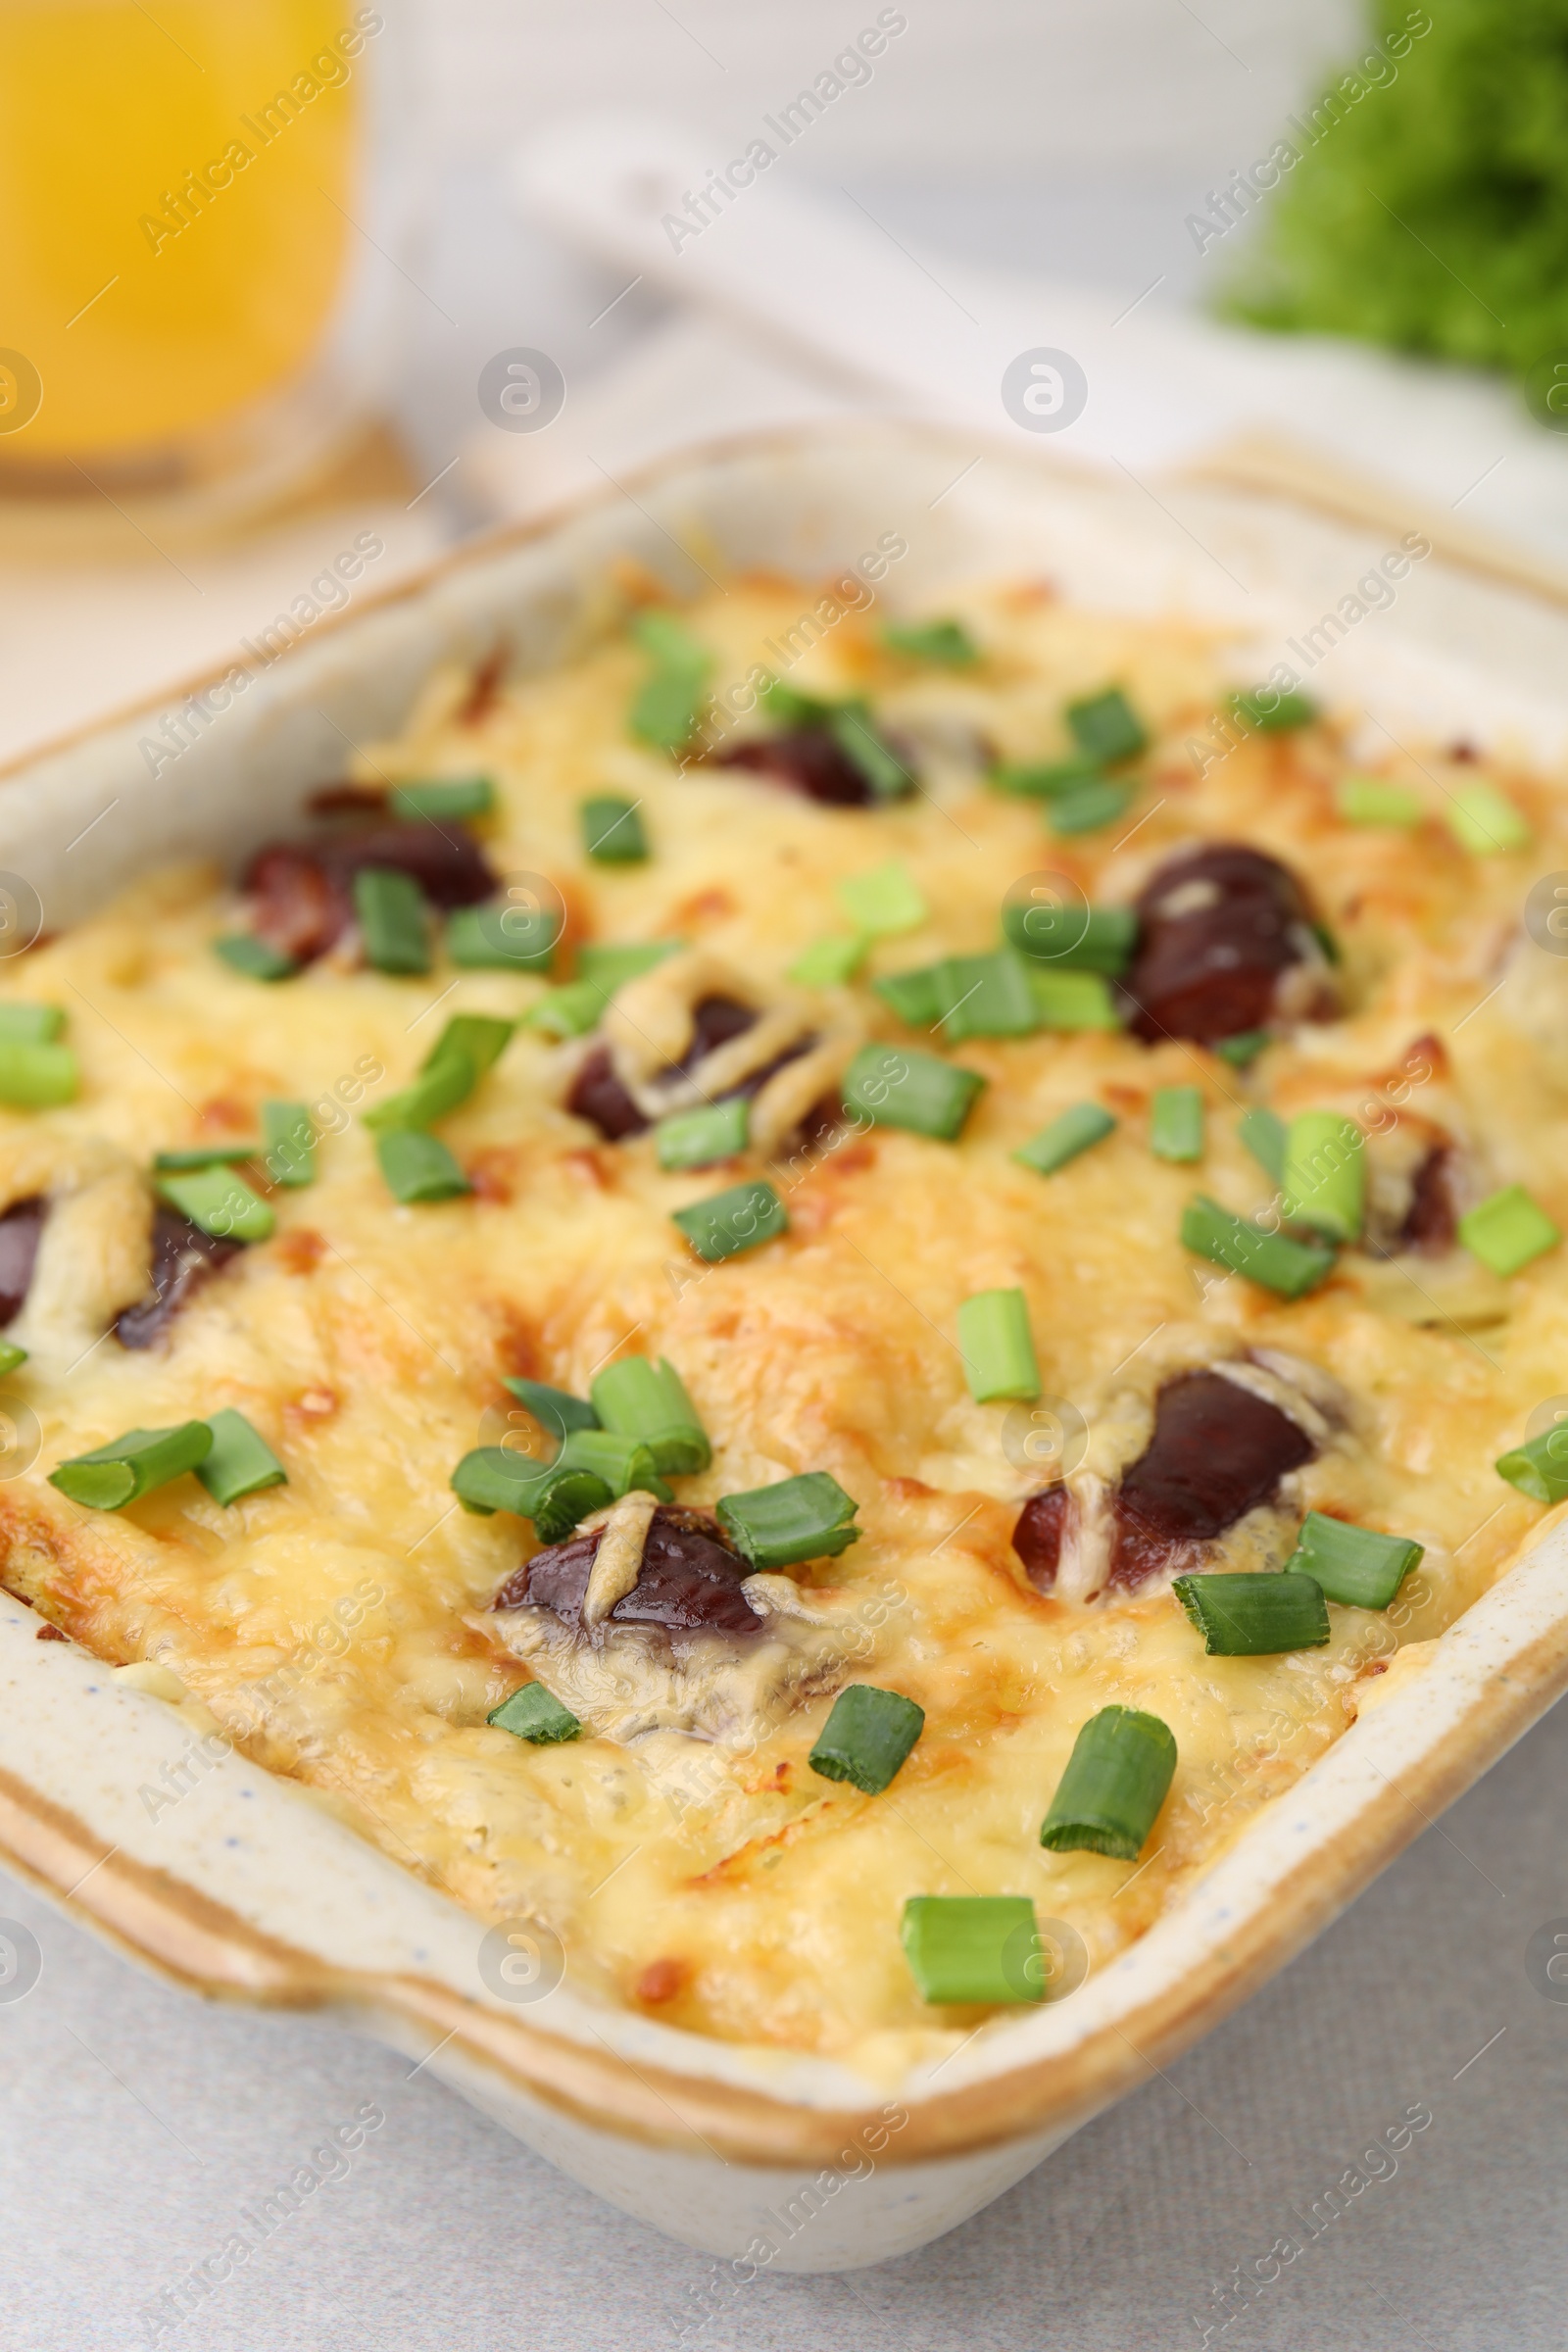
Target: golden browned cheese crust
(336, 1623)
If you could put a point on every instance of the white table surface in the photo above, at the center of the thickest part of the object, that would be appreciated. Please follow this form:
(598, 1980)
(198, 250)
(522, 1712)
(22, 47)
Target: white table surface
(134, 2122)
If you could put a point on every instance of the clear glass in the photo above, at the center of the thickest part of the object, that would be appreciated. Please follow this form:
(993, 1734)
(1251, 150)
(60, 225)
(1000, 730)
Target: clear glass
(202, 204)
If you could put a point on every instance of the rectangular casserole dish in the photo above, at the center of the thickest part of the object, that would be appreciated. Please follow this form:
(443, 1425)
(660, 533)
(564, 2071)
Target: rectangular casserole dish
(249, 1889)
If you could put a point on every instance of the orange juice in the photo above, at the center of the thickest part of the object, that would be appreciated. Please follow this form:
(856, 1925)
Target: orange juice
(175, 187)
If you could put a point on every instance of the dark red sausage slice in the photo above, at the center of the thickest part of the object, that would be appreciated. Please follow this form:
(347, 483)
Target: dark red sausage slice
(714, 1021)
(807, 761)
(598, 1096)
(690, 1579)
(1040, 1532)
(184, 1259)
(21, 1231)
(1218, 926)
(304, 890)
(298, 908)
(1217, 1452)
(447, 863)
(1431, 1222)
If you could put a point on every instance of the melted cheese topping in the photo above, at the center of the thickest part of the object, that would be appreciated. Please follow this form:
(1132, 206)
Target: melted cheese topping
(333, 1623)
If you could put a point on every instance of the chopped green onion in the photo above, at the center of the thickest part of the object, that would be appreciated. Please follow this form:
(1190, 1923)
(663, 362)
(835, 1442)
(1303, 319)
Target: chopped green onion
(30, 1024)
(804, 1518)
(490, 1480)
(830, 962)
(1244, 1046)
(11, 1355)
(568, 1011)
(204, 1155)
(643, 1400)
(220, 1203)
(1485, 821)
(1071, 1132)
(394, 919)
(38, 1077)
(1272, 1259)
(668, 704)
(417, 1166)
(1325, 1174)
(858, 739)
(555, 1410)
(1043, 779)
(1508, 1230)
(255, 957)
(1115, 1783)
(112, 1475)
(867, 1737)
(556, 1499)
(534, 1714)
(997, 1346)
(1089, 806)
(1272, 712)
(1265, 1134)
(884, 901)
(622, 1462)
(1072, 938)
(1355, 1567)
(466, 1047)
(503, 937)
(946, 643)
(985, 995)
(787, 706)
(1176, 1123)
(728, 1223)
(613, 831)
(1107, 726)
(289, 1134)
(969, 1949)
(610, 967)
(697, 1139)
(240, 1461)
(436, 1090)
(454, 796)
(1255, 1616)
(905, 1088)
(1073, 1000)
(1538, 1467)
(912, 996)
(1368, 801)
(475, 1039)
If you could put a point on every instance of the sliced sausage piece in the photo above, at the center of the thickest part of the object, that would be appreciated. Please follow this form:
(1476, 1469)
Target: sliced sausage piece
(304, 889)
(184, 1259)
(714, 1021)
(598, 1096)
(1431, 1222)
(1217, 1452)
(21, 1231)
(1040, 1532)
(689, 1579)
(1217, 927)
(807, 761)
(299, 909)
(447, 863)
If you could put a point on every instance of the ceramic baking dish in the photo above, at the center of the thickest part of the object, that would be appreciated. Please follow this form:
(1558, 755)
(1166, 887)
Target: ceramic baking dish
(248, 1889)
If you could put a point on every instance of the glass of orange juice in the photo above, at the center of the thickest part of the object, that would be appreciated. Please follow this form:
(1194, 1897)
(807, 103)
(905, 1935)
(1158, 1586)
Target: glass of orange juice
(195, 270)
